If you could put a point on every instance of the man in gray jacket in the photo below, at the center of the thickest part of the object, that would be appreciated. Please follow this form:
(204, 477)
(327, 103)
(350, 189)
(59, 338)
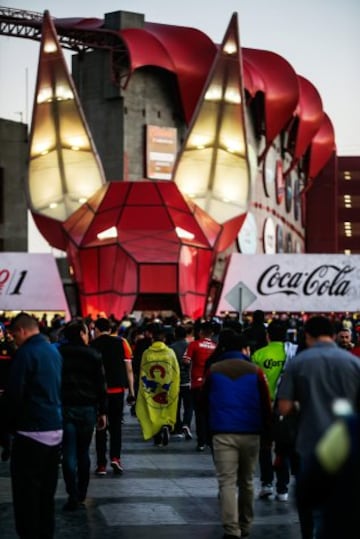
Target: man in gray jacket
(314, 380)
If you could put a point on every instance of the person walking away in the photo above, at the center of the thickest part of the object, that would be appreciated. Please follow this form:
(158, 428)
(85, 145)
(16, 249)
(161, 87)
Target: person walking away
(159, 382)
(196, 356)
(117, 360)
(7, 351)
(330, 476)
(237, 402)
(271, 360)
(143, 340)
(313, 380)
(33, 403)
(84, 406)
(185, 409)
(255, 333)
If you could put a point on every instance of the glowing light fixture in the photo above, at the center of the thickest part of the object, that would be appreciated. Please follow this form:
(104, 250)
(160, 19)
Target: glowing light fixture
(50, 47)
(348, 228)
(215, 165)
(58, 130)
(213, 94)
(232, 96)
(184, 234)
(63, 93)
(347, 201)
(199, 141)
(108, 233)
(230, 47)
(42, 148)
(45, 95)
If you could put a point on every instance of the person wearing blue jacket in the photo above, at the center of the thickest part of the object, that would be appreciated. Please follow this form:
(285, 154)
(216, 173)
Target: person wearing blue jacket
(237, 404)
(34, 405)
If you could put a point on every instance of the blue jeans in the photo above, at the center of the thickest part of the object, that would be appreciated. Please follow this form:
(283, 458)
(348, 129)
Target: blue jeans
(79, 423)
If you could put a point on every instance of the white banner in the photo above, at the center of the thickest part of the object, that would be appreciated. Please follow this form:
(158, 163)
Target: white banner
(31, 282)
(291, 282)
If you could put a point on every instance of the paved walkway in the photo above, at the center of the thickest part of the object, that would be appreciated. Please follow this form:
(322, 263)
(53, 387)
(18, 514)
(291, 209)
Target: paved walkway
(168, 492)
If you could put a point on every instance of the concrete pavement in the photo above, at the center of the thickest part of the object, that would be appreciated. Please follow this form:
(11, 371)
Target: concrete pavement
(168, 492)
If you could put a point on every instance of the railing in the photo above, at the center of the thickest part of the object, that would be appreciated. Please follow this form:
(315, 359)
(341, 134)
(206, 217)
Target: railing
(27, 24)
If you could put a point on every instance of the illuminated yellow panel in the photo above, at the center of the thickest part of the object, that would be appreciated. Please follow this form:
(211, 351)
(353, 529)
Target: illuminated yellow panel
(215, 167)
(65, 169)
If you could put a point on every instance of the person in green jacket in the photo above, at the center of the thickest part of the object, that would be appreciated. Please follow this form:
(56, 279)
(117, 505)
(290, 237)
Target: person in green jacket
(271, 359)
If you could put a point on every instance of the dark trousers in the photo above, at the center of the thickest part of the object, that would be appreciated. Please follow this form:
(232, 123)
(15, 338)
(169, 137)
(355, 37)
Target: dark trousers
(79, 424)
(114, 427)
(34, 474)
(310, 519)
(285, 463)
(200, 418)
(185, 405)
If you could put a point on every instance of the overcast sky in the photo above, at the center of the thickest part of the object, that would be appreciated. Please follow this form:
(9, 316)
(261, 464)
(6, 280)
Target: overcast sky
(320, 39)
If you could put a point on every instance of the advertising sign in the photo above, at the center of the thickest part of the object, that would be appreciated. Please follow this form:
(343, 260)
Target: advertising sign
(291, 282)
(161, 149)
(30, 282)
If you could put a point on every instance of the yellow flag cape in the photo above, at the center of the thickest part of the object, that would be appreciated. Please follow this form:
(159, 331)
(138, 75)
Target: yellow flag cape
(157, 398)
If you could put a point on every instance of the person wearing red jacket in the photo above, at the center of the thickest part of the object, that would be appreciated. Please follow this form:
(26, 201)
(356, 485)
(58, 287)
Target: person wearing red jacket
(196, 355)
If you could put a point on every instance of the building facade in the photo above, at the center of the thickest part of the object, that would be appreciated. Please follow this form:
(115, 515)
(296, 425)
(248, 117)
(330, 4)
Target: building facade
(13, 175)
(243, 136)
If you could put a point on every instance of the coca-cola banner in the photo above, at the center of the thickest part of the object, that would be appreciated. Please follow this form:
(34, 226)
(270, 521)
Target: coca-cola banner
(30, 282)
(291, 282)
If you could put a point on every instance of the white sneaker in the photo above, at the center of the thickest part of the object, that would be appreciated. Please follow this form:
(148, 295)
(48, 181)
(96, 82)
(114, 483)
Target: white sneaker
(282, 497)
(187, 432)
(266, 491)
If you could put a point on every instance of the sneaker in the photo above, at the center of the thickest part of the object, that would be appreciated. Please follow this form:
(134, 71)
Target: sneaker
(178, 436)
(265, 492)
(116, 466)
(165, 435)
(282, 497)
(200, 448)
(187, 432)
(100, 470)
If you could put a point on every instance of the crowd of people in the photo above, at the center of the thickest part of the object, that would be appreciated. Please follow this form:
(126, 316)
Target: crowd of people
(262, 392)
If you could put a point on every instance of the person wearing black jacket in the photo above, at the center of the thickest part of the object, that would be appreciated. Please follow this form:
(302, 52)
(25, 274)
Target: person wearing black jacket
(255, 333)
(34, 415)
(117, 359)
(84, 406)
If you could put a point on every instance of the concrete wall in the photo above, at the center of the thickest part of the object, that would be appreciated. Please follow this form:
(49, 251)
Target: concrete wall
(13, 174)
(117, 116)
(103, 108)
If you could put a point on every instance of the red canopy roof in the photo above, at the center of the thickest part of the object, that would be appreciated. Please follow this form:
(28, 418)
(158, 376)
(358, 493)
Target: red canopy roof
(189, 53)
